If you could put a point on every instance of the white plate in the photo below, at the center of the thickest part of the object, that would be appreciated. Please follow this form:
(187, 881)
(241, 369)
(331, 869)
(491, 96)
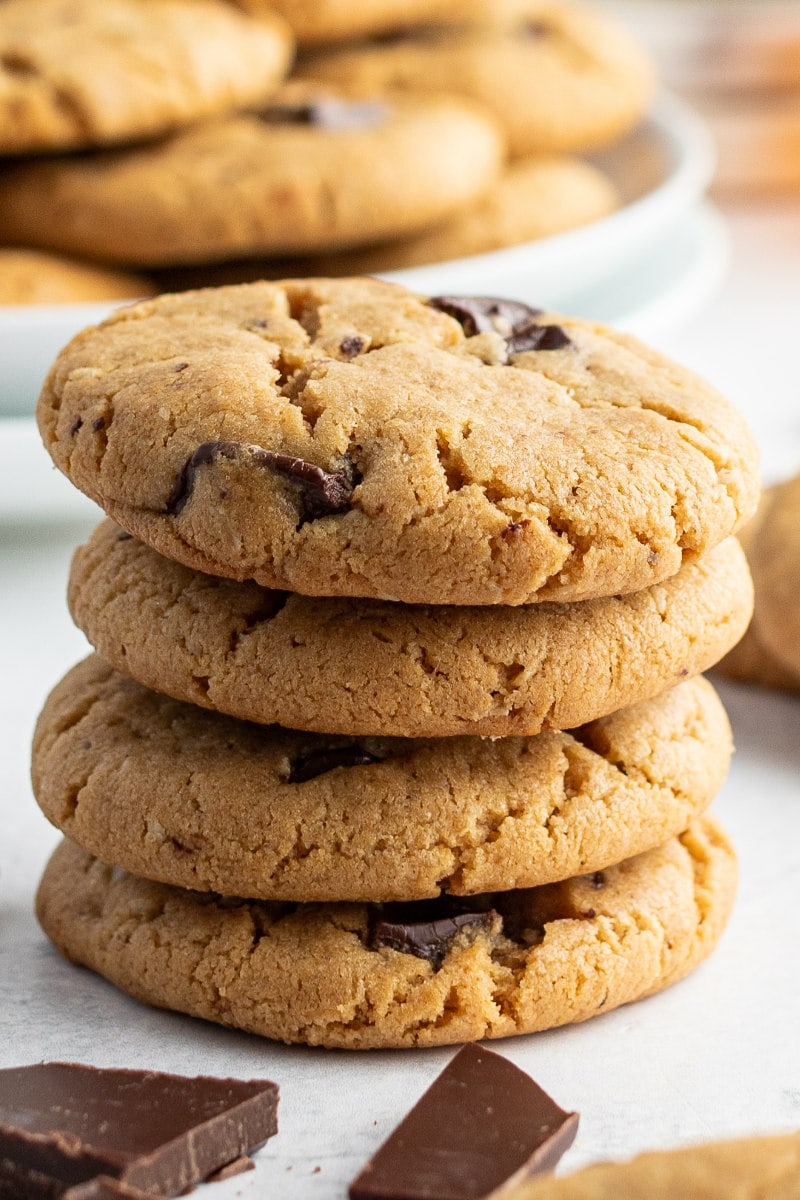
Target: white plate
(661, 171)
(665, 288)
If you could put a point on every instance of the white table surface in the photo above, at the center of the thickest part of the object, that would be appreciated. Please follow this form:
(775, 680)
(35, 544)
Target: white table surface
(717, 1055)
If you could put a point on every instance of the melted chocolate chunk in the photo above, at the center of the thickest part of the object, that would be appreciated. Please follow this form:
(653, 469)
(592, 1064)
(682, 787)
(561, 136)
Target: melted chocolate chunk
(322, 493)
(328, 113)
(480, 314)
(351, 346)
(327, 758)
(537, 337)
(65, 1126)
(481, 1126)
(426, 928)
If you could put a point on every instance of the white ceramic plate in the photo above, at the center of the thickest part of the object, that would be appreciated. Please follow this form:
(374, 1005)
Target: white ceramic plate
(663, 289)
(661, 171)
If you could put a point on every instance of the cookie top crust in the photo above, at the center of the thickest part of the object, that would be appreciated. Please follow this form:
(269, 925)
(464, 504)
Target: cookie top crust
(74, 73)
(301, 174)
(33, 277)
(348, 438)
(192, 798)
(317, 973)
(370, 667)
(314, 22)
(558, 77)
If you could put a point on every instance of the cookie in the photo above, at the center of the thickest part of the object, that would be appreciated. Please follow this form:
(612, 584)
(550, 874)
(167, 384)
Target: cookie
(317, 21)
(32, 277)
(766, 1168)
(369, 667)
(750, 661)
(358, 976)
(559, 78)
(74, 73)
(534, 198)
(202, 801)
(774, 550)
(347, 437)
(294, 177)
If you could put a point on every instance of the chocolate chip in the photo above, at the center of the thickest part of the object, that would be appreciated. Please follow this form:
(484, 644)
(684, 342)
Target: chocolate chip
(75, 426)
(327, 113)
(598, 880)
(322, 493)
(124, 537)
(98, 424)
(326, 758)
(535, 30)
(426, 928)
(480, 314)
(181, 366)
(538, 337)
(351, 346)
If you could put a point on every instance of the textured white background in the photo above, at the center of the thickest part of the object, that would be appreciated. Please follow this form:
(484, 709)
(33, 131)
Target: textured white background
(717, 1055)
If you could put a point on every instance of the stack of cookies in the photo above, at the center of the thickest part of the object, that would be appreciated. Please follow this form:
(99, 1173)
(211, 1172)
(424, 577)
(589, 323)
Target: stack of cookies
(201, 163)
(369, 557)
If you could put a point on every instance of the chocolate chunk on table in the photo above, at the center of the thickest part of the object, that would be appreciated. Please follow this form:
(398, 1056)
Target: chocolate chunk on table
(482, 1125)
(64, 1125)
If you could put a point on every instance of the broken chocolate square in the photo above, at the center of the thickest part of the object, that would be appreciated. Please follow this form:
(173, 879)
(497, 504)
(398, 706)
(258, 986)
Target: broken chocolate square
(65, 1124)
(480, 1127)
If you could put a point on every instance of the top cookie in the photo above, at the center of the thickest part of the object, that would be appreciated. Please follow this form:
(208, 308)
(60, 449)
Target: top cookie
(316, 21)
(346, 437)
(74, 73)
(557, 77)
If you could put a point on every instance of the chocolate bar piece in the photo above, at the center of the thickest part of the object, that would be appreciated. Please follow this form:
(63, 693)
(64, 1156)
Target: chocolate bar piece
(64, 1124)
(481, 1126)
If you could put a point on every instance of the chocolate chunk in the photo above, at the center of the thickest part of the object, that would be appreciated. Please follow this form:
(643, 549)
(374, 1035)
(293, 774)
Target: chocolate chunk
(479, 314)
(351, 346)
(427, 927)
(321, 492)
(482, 1126)
(317, 762)
(535, 30)
(237, 1167)
(537, 337)
(64, 1125)
(328, 113)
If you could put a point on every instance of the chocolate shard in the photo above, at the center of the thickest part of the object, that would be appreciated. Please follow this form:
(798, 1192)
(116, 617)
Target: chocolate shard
(65, 1126)
(479, 314)
(322, 493)
(538, 337)
(481, 1127)
(328, 112)
(426, 928)
(312, 763)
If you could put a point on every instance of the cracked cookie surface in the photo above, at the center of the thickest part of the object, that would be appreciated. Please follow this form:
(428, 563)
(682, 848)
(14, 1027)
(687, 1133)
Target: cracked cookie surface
(353, 666)
(203, 801)
(305, 172)
(558, 77)
(540, 458)
(325, 974)
(74, 73)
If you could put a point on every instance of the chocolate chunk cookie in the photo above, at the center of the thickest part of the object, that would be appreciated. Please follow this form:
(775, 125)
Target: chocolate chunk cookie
(31, 277)
(317, 21)
(350, 438)
(298, 175)
(357, 976)
(75, 73)
(369, 667)
(558, 77)
(203, 801)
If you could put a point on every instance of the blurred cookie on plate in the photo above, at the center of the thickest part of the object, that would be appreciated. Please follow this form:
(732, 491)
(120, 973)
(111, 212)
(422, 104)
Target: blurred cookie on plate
(316, 21)
(33, 277)
(307, 172)
(76, 74)
(559, 78)
(534, 197)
